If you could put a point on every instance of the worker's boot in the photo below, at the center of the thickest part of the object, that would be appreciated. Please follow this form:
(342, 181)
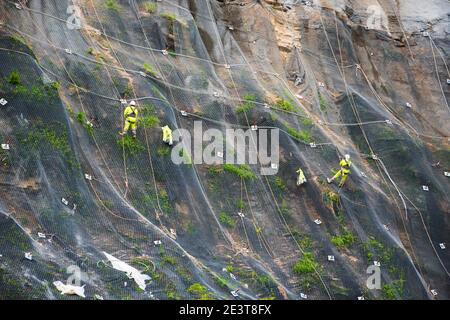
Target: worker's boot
(134, 133)
(122, 133)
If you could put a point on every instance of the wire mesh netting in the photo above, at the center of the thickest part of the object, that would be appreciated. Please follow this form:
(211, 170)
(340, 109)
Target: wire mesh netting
(198, 230)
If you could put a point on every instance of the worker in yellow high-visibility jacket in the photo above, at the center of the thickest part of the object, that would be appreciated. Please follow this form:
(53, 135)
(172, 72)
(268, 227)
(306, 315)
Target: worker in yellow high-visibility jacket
(344, 172)
(167, 135)
(301, 179)
(130, 115)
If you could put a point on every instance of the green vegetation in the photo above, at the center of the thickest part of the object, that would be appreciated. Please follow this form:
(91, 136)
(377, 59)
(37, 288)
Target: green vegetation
(169, 16)
(168, 260)
(163, 151)
(229, 268)
(149, 118)
(240, 204)
(285, 105)
(38, 92)
(14, 78)
(227, 220)
(248, 105)
(221, 282)
(323, 103)
(150, 121)
(149, 70)
(280, 184)
(242, 171)
(81, 118)
(347, 239)
(164, 200)
(131, 145)
(376, 251)
(150, 7)
(112, 5)
(54, 136)
(142, 262)
(301, 135)
(331, 198)
(306, 264)
(303, 240)
(199, 292)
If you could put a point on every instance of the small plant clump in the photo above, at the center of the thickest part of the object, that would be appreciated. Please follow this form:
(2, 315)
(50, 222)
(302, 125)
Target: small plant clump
(149, 70)
(306, 264)
(347, 239)
(285, 105)
(248, 105)
(131, 145)
(199, 292)
(302, 135)
(227, 220)
(14, 78)
(112, 5)
(243, 171)
(169, 16)
(150, 7)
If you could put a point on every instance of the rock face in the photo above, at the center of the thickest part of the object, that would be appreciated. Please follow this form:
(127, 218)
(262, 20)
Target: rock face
(364, 78)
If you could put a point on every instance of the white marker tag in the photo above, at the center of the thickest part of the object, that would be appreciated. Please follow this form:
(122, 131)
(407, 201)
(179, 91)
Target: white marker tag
(235, 293)
(164, 52)
(425, 188)
(377, 263)
(300, 97)
(426, 34)
(409, 105)
(29, 256)
(240, 214)
(274, 166)
(330, 258)
(361, 298)
(303, 296)
(41, 235)
(448, 81)
(184, 113)
(87, 176)
(216, 94)
(219, 154)
(18, 6)
(266, 106)
(98, 32)
(123, 101)
(318, 222)
(157, 242)
(232, 276)
(173, 232)
(227, 66)
(143, 74)
(313, 145)
(385, 227)
(388, 121)
(447, 174)
(64, 201)
(433, 292)
(254, 128)
(3, 102)
(442, 245)
(68, 51)
(5, 146)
